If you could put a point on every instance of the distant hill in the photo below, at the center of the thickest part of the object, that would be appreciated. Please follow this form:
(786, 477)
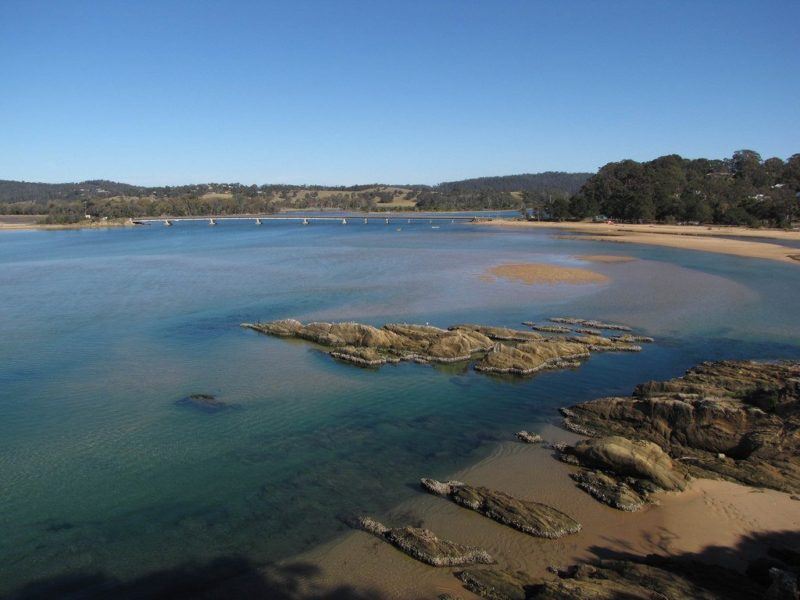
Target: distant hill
(555, 181)
(44, 193)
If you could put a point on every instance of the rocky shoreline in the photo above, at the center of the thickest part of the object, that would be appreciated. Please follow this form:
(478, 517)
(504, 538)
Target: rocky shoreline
(743, 415)
(736, 421)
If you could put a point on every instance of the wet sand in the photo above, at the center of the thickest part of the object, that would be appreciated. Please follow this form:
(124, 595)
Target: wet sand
(688, 237)
(710, 518)
(540, 273)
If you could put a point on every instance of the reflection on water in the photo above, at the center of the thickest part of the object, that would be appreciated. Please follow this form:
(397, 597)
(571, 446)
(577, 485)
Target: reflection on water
(102, 331)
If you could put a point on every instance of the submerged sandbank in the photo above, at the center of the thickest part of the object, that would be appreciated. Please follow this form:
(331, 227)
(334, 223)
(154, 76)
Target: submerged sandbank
(541, 273)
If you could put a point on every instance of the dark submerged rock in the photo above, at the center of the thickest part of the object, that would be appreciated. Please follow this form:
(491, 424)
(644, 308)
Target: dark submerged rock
(205, 402)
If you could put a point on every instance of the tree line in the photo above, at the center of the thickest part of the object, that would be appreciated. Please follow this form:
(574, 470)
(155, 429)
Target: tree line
(742, 190)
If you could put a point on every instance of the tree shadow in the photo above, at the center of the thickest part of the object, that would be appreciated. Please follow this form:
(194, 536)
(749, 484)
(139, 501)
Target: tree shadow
(740, 571)
(228, 578)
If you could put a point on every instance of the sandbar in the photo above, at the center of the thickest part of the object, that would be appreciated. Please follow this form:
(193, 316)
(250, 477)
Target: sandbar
(542, 273)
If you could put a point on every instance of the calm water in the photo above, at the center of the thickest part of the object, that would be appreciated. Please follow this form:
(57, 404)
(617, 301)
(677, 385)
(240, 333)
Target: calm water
(102, 331)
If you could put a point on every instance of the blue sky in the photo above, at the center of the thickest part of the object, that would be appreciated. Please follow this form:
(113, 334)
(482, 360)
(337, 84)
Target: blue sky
(418, 91)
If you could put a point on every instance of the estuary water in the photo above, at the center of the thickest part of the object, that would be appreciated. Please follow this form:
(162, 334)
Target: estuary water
(105, 478)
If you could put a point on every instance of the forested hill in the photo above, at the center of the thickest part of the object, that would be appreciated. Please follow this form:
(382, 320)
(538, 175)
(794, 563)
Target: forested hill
(742, 190)
(556, 181)
(42, 193)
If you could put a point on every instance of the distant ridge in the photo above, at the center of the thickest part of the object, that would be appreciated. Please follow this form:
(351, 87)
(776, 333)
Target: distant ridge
(525, 182)
(12, 191)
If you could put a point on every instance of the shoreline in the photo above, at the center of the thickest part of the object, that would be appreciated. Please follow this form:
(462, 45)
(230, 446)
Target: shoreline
(110, 224)
(715, 239)
(711, 518)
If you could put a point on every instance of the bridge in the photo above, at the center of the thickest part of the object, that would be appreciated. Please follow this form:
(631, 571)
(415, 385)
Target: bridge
(344, 219)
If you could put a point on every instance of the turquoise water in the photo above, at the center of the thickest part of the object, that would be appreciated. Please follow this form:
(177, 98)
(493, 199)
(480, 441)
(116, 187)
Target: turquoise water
(101, 332)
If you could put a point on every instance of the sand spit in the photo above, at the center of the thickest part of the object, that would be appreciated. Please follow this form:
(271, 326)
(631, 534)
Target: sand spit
(11, 223)
(540, 273)
(700, 238)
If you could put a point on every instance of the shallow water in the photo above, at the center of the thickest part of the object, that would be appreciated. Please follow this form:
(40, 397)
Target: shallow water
(101, 332)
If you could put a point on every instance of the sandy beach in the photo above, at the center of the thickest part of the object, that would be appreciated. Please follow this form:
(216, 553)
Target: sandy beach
(688, 237)
(708, 520)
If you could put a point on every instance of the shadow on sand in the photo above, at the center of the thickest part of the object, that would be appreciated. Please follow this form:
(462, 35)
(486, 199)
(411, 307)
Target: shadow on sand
(740, 571)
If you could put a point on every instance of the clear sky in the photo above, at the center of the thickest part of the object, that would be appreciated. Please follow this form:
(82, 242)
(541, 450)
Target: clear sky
(413, 91)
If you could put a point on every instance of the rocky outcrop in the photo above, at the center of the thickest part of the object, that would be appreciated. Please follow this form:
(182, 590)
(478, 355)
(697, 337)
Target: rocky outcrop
(363, 357)
(423, 545)
(633, 339)
(495, 584)
(588, 331)
(366, 345)
(551, 328)
(529, 438)
(590, 323)
(738, 420)
(281, 328)
(494, 349)
(611, 490)
(504, 334)
(531, 357)
(638, 459)
(622, 473)
(527, 516)
(598, 343)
